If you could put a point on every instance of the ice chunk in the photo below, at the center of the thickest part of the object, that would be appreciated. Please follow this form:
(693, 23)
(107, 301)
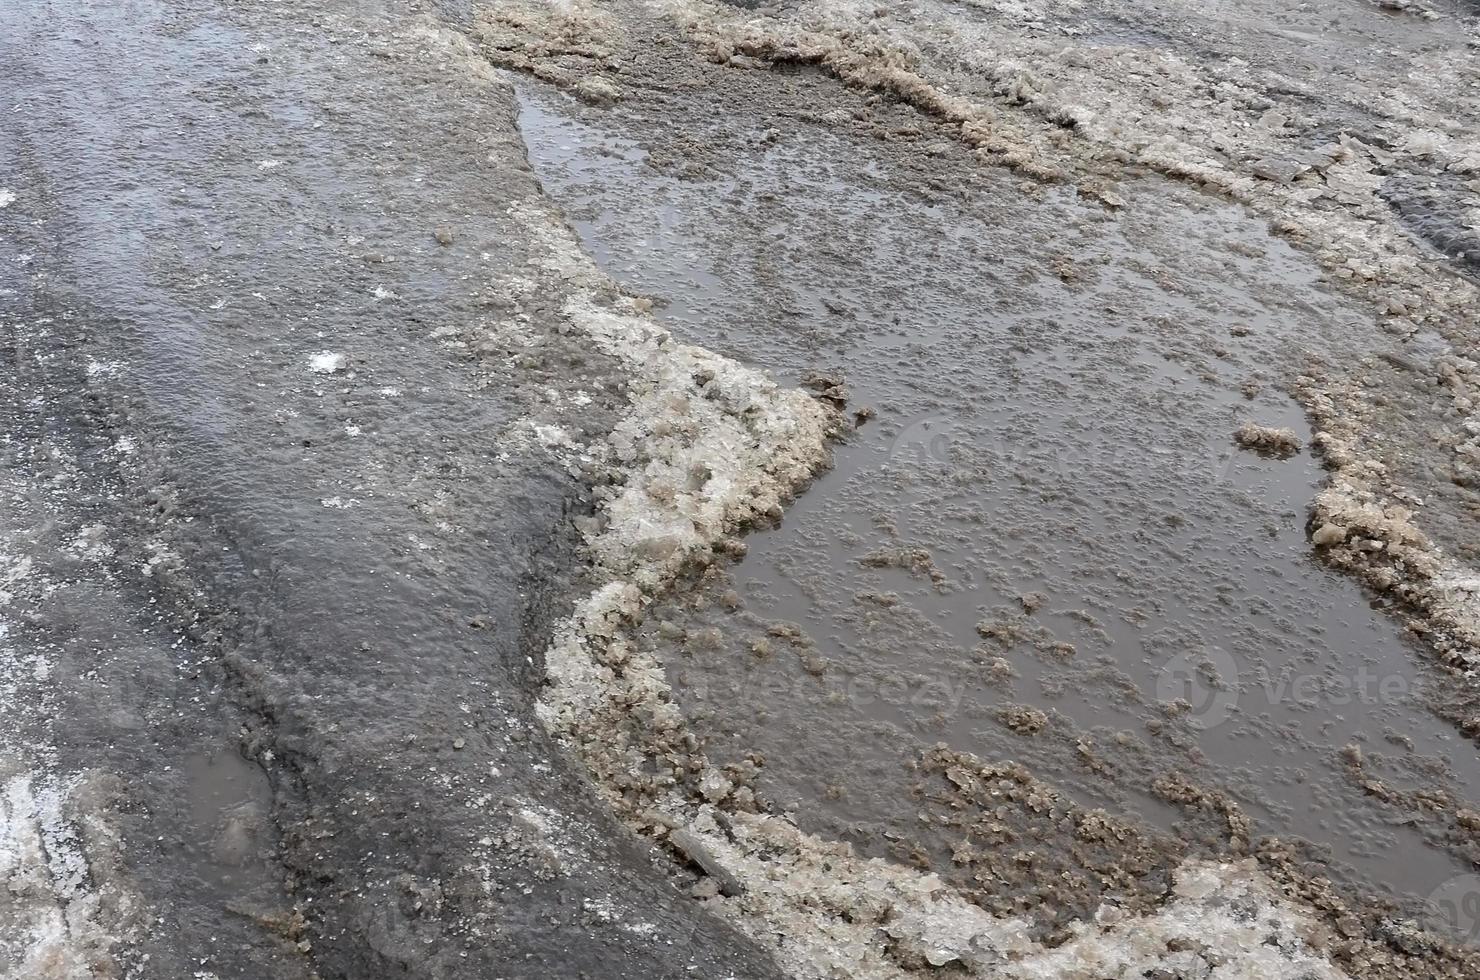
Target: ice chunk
(326, 362)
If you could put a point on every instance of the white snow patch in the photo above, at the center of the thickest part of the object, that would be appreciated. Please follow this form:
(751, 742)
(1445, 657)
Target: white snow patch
(90, 543)
(14, 574)
(326, 362)
(553, 436)
(1224, 922)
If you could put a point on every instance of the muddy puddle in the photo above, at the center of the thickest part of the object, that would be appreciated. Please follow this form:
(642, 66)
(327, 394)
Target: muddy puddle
(1045, 545)
(230, 840)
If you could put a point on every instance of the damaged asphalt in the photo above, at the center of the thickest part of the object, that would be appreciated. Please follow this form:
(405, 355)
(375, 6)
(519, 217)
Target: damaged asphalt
(329, 584)
(371, 601)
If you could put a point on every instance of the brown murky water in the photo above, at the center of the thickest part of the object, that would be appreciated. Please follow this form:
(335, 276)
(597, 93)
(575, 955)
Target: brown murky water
(1048, 510)
(230, 806)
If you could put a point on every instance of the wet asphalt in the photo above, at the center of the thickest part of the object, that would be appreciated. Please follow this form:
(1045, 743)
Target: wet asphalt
(268, 443)
(305, 642)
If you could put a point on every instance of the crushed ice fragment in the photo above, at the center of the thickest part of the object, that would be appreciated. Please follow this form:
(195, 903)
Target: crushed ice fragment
(326, 362)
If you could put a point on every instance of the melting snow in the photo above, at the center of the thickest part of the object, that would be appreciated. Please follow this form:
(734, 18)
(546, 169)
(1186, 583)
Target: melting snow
(326, 363)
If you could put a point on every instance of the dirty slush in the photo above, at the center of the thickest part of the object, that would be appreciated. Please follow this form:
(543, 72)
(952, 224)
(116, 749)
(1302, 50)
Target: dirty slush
(661, 488)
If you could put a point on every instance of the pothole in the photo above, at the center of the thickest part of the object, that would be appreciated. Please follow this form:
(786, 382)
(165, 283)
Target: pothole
(1045, 547)
(232, 838)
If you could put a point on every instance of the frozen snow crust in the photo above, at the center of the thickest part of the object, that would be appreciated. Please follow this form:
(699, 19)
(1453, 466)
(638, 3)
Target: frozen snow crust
(64, 906)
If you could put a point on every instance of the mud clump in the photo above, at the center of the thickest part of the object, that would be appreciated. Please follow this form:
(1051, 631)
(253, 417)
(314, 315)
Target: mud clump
(917, 561)
(1027, 849)
(597, 91)
(1266, 441)
(694, 850)
(1178, 789)
(1364, 524)
(1022, 720)
(827, 386)
(1328, 535)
